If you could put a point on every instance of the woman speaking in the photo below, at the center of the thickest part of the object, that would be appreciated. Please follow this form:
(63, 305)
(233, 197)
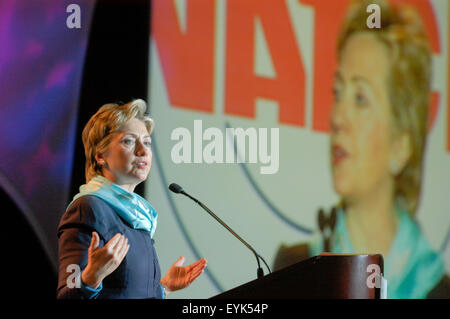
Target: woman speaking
(106, 232)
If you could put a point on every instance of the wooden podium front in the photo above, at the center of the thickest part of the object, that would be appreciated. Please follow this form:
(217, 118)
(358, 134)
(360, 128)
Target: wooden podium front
(327, 276)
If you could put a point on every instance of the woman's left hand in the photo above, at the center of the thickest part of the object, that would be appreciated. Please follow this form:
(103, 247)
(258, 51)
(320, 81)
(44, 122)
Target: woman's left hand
(178, 277)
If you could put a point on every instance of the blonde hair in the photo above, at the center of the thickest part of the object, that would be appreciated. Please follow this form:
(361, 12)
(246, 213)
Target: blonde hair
(403, 34)
(109, 119)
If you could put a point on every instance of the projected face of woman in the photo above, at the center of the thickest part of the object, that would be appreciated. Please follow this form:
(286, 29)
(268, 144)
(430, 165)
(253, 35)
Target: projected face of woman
(361, 123)
(129, 156)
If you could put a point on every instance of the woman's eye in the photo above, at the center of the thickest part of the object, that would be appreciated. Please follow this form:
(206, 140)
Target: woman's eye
(336, 94)
(361, 99)
(128, 142)
(148, 144)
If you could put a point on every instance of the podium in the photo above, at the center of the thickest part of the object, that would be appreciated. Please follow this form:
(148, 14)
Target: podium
(327, 276)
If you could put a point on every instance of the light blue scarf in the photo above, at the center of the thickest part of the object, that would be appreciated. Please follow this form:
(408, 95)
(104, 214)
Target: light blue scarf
(412, 268)
(134, 209)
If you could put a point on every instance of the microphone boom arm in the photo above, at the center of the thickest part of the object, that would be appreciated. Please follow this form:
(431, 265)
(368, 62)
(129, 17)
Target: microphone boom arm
(260, 270)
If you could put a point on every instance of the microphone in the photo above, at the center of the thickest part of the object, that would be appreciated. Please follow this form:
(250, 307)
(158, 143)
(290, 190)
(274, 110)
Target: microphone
(176, 188)
(179, 190)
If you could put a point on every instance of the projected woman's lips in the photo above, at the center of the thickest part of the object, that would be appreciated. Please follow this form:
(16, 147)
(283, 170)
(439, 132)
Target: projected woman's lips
(338, 154)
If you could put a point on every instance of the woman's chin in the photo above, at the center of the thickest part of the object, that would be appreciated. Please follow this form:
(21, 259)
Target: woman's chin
(342, 186)
(141, 177)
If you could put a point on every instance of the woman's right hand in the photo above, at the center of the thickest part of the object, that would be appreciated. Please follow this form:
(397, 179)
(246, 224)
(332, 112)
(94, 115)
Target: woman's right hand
(103, 261)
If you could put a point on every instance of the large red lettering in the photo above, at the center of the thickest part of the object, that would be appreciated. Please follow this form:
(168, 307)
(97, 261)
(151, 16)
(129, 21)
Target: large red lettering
(432, 113)
(242, 86)
(187, 58)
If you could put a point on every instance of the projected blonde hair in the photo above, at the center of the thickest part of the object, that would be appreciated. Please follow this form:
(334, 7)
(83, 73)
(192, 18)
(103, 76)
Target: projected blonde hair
(109, 119)
(403, 34)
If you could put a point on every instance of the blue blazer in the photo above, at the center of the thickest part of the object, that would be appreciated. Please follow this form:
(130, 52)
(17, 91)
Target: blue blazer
(138, 276)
